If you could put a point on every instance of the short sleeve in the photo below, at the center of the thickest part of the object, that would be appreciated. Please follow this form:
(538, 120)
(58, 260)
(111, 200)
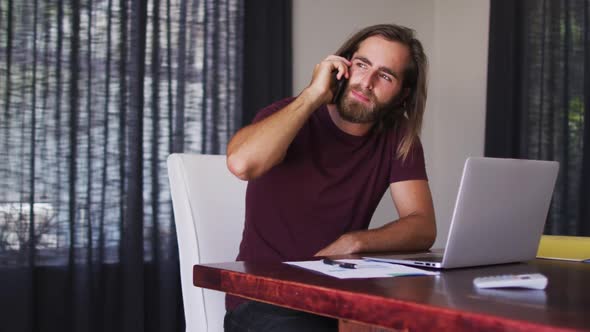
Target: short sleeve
(272, 108)
(412, 168)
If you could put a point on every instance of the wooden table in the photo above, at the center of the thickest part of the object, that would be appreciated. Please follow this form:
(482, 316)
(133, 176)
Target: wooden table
(447, 302)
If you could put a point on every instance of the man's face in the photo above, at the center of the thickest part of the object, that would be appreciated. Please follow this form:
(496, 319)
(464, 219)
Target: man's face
(375, 83)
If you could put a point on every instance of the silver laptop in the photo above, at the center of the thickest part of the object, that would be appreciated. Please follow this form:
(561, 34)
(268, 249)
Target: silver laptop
(499, 215)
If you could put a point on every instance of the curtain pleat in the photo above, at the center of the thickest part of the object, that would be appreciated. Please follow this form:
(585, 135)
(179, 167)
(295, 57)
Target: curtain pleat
(584, 228)
(267, 75)
(538, 91)
(95, 95)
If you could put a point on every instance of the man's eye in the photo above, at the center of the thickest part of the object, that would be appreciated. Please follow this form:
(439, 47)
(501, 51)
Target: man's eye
(387, 78)
(361, 65)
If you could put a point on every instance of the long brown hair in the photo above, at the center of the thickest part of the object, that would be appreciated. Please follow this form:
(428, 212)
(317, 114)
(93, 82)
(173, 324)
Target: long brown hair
(408, 114)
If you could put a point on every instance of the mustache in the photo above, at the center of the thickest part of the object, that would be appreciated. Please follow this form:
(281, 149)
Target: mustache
(366, 92)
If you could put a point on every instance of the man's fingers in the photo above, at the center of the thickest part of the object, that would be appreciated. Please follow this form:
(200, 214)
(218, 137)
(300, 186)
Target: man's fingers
(322, 81)
(342, 71)
(340, 64)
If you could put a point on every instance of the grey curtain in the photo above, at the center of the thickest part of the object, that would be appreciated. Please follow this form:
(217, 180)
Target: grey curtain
(94, 96)
(539, 97)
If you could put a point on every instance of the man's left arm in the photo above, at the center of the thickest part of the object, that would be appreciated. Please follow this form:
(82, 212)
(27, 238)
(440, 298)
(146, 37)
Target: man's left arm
(415, 230)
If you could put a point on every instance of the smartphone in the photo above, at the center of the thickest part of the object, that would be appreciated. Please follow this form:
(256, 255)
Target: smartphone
(340, 85)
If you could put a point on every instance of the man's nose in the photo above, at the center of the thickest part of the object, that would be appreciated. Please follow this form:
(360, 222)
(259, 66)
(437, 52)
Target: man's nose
(367, 80)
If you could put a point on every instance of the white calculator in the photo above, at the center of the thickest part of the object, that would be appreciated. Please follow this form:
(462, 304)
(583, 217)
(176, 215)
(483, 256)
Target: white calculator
(532, 281)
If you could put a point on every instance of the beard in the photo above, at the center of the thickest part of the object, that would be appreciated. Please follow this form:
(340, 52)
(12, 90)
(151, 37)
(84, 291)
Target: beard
(355, 111)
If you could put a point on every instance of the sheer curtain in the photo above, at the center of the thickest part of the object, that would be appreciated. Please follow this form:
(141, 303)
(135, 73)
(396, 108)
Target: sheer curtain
(95, 95)
(539, 97)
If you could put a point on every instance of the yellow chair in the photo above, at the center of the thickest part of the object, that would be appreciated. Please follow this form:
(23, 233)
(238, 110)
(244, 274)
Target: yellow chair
(564, 247)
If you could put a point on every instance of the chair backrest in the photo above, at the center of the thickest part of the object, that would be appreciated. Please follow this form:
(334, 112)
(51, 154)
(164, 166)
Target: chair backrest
(208, 203)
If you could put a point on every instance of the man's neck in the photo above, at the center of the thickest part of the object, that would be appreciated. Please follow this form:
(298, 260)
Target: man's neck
(351, 128)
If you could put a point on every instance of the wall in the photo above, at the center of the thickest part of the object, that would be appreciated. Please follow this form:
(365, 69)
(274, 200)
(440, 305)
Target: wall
(454, 35)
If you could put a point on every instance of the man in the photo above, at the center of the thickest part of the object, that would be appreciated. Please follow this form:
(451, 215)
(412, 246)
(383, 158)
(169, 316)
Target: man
(317, 169)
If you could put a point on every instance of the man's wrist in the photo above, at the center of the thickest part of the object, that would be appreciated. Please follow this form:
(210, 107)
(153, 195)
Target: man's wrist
(356, 240)
(312, 98)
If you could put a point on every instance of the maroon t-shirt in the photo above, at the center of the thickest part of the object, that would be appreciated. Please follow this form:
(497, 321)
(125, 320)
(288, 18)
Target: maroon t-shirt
(328, 184)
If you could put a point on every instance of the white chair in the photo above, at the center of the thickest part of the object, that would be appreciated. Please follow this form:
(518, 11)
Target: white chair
(208, 203)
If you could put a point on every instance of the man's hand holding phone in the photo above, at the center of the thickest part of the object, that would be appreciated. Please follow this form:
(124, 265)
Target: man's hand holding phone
(328, 77)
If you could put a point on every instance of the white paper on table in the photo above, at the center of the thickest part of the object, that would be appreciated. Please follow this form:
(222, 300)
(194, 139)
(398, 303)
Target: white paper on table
(365, 269)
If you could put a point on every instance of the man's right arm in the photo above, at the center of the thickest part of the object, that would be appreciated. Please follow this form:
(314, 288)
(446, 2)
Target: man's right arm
(256, 148)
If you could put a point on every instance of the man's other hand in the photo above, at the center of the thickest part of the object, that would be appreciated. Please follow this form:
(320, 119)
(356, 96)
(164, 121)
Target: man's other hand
(346, 244)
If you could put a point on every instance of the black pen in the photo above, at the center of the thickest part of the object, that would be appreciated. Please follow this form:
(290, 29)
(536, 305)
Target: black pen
(341, 264)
